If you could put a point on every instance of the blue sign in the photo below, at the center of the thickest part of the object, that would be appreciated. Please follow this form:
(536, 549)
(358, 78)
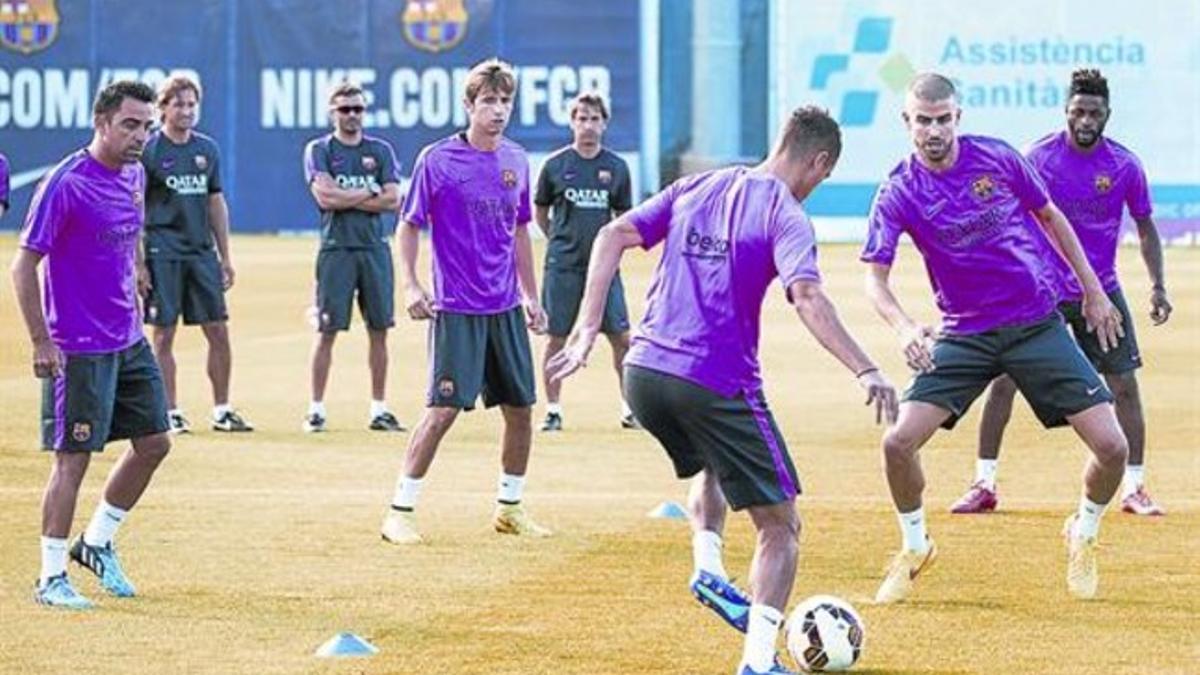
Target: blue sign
(266, 67)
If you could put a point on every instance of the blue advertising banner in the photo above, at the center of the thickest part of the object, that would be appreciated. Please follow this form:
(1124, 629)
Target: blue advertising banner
(266, 67)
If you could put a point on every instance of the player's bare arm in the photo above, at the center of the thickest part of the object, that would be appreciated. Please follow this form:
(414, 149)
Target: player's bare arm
(820, 316)
(1152, 255)
(330, 197)
(610, 244)
(1102, 317)
(535, 316)
(48, 360)
(417, 301)
(916, 339)
(218, 218)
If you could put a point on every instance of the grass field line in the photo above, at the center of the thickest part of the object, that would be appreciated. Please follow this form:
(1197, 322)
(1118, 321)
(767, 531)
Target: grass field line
(650, 499)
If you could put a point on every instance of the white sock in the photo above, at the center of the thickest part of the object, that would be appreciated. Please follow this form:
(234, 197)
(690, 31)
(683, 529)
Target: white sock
(912, 526)
(1087, 524)
(316, 408)
(1135, 477)
(220, 409)
(554, 409)
(510, 488)
(763, 630)
(378, 408)
(103, 526)
(626, 411)
(54, 558)
(407, 492)
(985, 472)
(706, 553)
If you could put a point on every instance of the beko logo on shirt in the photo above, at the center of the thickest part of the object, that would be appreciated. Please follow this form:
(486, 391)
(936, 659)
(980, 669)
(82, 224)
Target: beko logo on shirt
(188, 184)
(587, 198)
(705, 246)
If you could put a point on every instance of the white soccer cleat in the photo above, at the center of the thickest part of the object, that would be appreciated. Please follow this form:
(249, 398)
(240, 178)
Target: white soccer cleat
(400, 527)
(1083, 574)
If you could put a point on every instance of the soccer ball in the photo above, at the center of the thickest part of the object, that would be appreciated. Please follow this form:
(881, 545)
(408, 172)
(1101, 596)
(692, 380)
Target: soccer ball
(825, 633)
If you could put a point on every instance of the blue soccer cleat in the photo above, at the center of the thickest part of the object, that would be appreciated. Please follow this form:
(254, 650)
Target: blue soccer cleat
(777, 668)
(58, 592)
(722, 597)
(102, 561)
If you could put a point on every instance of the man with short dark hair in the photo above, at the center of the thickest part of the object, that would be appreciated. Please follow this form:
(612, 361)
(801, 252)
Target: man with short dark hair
(973, 206)
(692, 373)
(586, 185)
(355, 180)
(1093, 179)
(186, 215)
(100, 380)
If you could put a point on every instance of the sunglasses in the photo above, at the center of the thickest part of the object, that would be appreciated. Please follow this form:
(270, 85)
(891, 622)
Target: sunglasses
(350, 109)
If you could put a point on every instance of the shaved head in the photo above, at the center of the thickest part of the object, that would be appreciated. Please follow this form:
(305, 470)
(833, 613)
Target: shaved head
(931, 88)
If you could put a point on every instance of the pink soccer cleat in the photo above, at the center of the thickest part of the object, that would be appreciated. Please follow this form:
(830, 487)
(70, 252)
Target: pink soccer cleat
(1140, 503)
(979, 499)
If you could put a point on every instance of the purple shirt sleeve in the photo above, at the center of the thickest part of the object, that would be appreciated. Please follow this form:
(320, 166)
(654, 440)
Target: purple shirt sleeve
(316, 160)
(46, 216)
(419, 200)
(1137, 197)
(4, 181)
(524, 210)
(884, 225)
(1028, 186)
(794, 247)
(652, 217)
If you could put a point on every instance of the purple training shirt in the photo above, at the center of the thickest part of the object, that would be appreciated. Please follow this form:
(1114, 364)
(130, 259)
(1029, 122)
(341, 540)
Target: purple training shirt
(86, 219)
(1092, 189)
(989, 261)
(728, 234)
(471, 201)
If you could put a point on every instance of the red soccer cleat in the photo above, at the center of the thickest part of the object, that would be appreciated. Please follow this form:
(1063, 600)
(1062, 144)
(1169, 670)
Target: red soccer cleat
(1141, 504)
(978, 499)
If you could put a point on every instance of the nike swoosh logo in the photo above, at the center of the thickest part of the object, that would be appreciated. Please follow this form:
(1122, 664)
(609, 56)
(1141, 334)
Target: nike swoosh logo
(1093, 390)
(912, 574)
(731, 609)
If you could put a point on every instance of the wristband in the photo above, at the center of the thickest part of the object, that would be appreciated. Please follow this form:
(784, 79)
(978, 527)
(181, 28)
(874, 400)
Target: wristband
(872, 369)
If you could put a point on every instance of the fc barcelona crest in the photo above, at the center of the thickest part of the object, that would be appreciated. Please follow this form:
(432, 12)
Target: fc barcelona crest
(369, 163)
(983, 187)
(445, 387)
(509, 178)
(28, 26)
(81, 432)
(201, 162)
(434, 25)
(1103, 183)
(604, 176)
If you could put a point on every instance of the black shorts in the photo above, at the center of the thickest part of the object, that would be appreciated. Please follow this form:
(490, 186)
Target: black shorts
(473, 354)
(103, 397)
(191, 287)
(1121, 359)
(341, 273)
(1041, 358)
(735, 438)
(562, 294)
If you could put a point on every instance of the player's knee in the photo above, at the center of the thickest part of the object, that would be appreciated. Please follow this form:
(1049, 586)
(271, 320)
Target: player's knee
(441, 418)
(898, 444)
(70, 467)
(153, 448)
(1112, 450)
